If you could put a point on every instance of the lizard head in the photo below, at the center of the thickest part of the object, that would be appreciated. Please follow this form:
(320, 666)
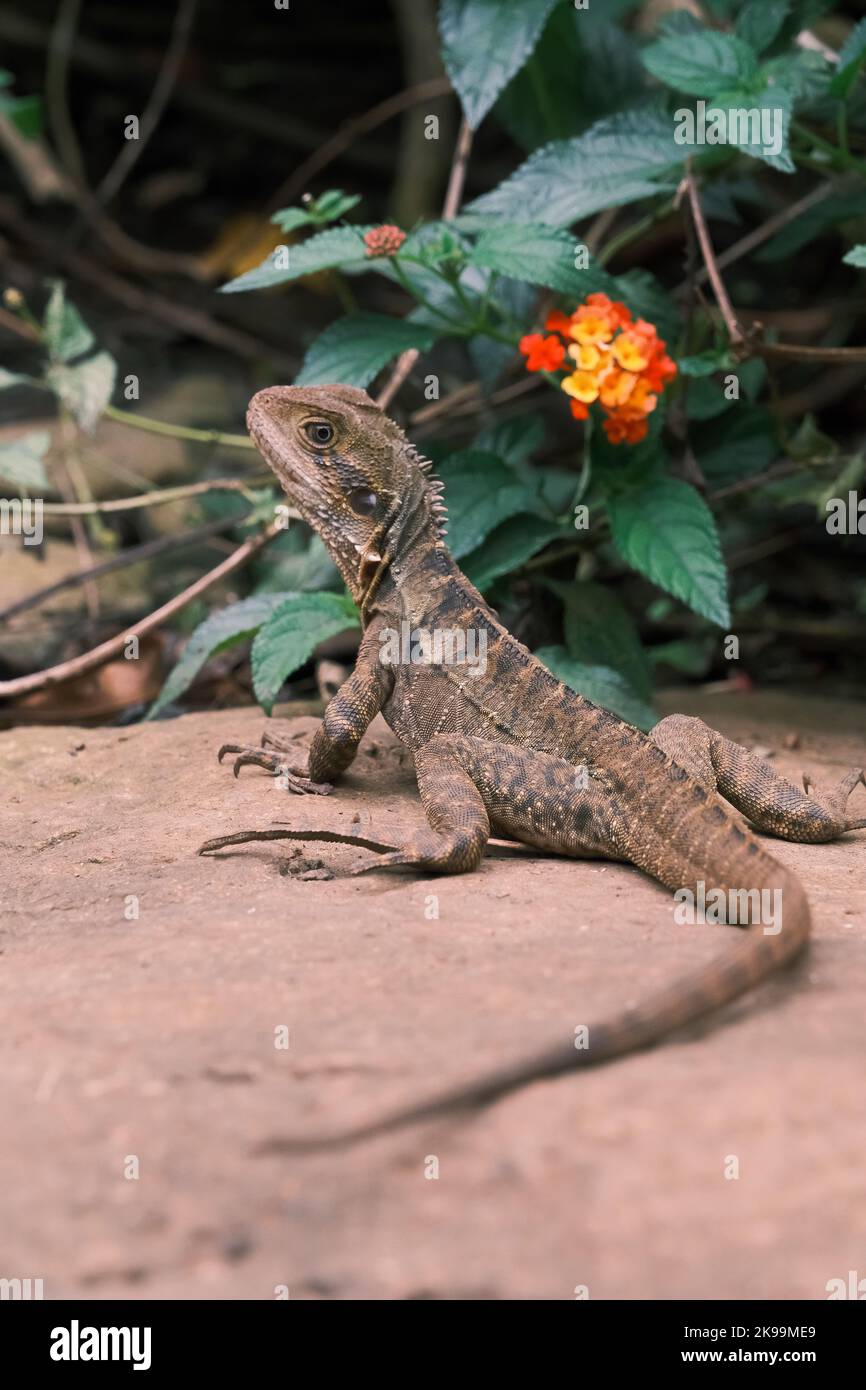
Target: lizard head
(351, 472)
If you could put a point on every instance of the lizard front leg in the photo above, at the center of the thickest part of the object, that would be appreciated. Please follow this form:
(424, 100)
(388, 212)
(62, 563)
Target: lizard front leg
(772, 803)
(346, 719)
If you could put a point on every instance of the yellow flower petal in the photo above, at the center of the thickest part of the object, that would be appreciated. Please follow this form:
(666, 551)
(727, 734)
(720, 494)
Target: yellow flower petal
(582, 385)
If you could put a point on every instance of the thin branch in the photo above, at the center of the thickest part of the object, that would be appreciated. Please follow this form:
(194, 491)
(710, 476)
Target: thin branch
(132, 149)
(88, 661)
(794, 352)
(60, 47)
(453, 195)
(181, 317)
(326, 153)
(744, 343)
(405, 362)
(134, 555)
(735, 332)
(770, 475)
(467, 400)
(144, 422)
(763, 233)
(146, 499)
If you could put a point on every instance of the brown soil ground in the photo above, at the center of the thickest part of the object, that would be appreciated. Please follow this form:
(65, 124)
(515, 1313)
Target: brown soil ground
(154, 1037)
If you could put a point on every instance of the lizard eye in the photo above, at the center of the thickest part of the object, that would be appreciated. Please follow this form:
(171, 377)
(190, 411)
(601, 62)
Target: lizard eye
(363, 501)
(319, 432)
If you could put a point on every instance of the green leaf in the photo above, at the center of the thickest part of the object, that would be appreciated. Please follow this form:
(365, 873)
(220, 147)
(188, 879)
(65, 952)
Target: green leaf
(582, 68)
(484, 43)
(705, 363)
(708, 397)
(600, 684)
(856, 256)
(326, 208)
(758, 123)
(701, 63)
(333, 203)
(21, 461)
(289, 636)
(85, 389)
(538, 254)
(806, 75)
(514, 440)
(759, 22)
(740, 445)
(25, 114)
(630, 155)
(690, 656)
(666, 531)
(480, 491)
(291, 566)
(510, 546)
(852, 55)
(353, 349)
(599, 632)
(289, 219)
(66, 333)
(336, 247)
(223, 629)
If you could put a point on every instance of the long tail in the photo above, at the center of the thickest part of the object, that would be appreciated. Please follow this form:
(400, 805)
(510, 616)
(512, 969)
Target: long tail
(757, 955)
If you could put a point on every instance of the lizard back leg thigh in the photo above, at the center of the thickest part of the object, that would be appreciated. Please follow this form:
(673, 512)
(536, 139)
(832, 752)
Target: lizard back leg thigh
(468, 783)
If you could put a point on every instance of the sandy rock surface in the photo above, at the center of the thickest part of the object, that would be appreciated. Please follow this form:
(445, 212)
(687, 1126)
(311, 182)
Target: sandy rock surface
(142, 990)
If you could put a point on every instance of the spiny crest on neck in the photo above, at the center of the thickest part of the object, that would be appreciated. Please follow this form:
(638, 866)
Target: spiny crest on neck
(434, 489)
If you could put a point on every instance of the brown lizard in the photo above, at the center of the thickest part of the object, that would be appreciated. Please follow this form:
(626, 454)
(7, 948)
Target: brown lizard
(509, 749)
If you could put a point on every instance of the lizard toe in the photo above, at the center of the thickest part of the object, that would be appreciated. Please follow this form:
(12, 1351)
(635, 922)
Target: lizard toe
(835, 803)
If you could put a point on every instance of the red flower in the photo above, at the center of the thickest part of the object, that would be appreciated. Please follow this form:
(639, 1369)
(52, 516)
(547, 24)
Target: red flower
(542, 354)
(384, 241)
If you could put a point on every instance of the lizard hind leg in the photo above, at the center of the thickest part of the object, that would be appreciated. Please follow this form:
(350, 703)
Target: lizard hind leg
(772, 803)
(468, 783)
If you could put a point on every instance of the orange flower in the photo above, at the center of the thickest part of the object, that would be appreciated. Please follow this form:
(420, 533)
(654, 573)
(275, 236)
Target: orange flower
(558, 322)
(589, 327)
(617, 313)
(629, 351)
(542, 354)
(618, 361)
(616, 389)
(621, 431)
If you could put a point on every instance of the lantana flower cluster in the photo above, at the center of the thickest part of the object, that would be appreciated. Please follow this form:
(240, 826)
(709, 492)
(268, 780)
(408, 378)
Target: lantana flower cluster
(617, 360)
(384, 241)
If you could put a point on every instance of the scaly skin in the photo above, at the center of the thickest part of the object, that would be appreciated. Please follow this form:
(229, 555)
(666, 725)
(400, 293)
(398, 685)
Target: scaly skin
(512, 750)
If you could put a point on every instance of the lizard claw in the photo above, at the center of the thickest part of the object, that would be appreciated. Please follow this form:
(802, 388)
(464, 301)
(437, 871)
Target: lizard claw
(836, 801)
(291, 779)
